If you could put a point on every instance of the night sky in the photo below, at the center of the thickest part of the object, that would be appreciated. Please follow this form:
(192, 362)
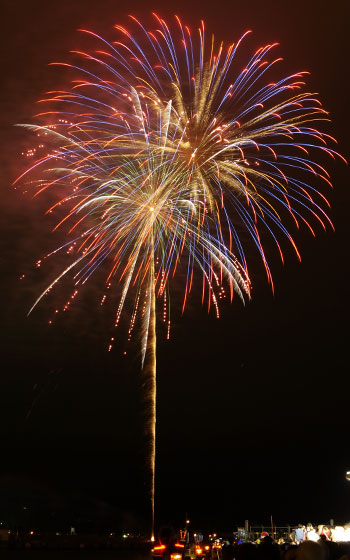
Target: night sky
(253, 409)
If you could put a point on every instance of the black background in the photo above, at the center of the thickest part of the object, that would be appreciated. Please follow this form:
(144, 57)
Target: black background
(253, 415)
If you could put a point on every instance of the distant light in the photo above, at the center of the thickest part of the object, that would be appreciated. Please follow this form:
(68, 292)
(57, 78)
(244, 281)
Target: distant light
(31, 533)
(152, 538)
(187, 521)
(347, 475)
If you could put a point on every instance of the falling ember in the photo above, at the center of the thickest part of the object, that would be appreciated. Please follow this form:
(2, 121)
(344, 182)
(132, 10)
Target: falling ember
(167, 157)
(110, 345)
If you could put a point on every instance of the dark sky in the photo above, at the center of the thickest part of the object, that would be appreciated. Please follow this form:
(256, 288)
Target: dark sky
(253, 409)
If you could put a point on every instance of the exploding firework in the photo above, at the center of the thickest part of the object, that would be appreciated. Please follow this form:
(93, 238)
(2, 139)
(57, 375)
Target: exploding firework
(168, 152)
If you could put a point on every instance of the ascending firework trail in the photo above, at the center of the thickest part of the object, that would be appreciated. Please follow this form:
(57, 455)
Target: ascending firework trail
(168, 151)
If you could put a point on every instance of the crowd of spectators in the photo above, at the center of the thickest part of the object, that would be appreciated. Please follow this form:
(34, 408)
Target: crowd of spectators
(270, 550)
(291, 548)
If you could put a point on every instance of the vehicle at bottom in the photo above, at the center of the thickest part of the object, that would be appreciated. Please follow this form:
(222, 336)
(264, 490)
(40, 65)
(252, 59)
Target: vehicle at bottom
(168, 551)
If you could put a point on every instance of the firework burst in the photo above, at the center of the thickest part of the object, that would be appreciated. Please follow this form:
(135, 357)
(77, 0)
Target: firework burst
(164, 150)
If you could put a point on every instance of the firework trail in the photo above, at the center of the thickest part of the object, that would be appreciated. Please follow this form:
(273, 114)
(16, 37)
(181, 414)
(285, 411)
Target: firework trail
(168, 152)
